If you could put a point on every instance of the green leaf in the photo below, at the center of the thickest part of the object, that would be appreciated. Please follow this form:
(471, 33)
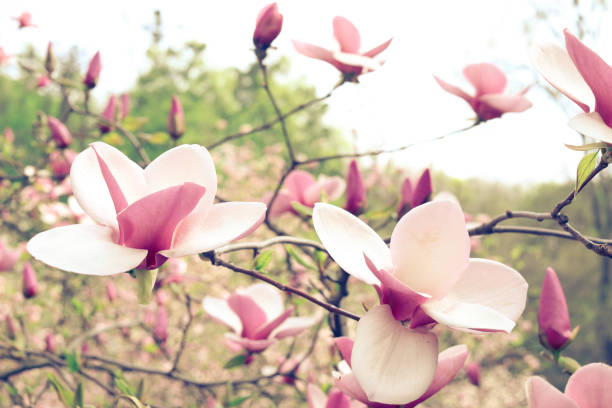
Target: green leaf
(124, 387)
(140, 390)
(135, 401)
(158, 138)
(78, 397)
(113, 139)
(262, 260)
(301, 209)
(145, 279)
(237, 401)
(151, 348)
(293, 253)
(585, 168)
(64, 394)
(588, 146)
(133, 124)
(235, 361)
(72, 361)
(77, 305)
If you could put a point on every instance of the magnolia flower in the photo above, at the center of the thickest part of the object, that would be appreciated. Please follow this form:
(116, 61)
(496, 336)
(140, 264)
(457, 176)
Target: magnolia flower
(348, 59)
(412, 197)
(301, 187)
(176, 119)
(489, 101)
(257, 317)
(588, 387)
(144, 216)
(8, 257)
(355, 191)
(4, 57)
(93, 71)
(581, 75)
(267, 27)
(25, 20)
(450, 361)
(425, 277)
(43, 81)
(59, 132)
(335, 399)
(108, 115)
(553, 317)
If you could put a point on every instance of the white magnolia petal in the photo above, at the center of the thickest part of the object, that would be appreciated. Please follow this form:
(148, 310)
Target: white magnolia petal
(84, 248)
(393, 364)
(220, 311)
(556, 66)
(293, 326)
(89, 186)
(591, 125)
(540, 394)
(347, 238)
(266, 297)
(206, 230)
(356, 60)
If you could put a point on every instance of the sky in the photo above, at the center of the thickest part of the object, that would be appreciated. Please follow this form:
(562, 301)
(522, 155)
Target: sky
(393, 106)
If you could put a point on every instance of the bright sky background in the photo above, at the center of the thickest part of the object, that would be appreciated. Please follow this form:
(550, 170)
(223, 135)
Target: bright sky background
(399, 104)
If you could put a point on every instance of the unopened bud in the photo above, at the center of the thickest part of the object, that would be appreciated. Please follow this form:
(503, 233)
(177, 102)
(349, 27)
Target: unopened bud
(50, 60)
(61, 161)
(93, 71)
(10, 327)
(43, 81)
(355, 191)
(108, 116)
(267, 27)
(59, 132)
(553, 316)
(176, 119)
(111, 291)
(50, 343)
(160, 330)
(30, 285)
(472, 370)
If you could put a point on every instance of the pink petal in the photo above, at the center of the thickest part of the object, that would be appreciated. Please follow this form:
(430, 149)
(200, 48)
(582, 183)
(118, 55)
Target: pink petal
(90, 188)
(267, 298)
(591, 125)
(349, 385)
(347, 35)
(332, 186)
(204, 230)
(357, 63)
(486, 78)
(345, 345)
(84, 248)
(505, 103)
(315, 397)
(596, 73)
(455, 90)
(282, 203)
(378, 49)
(347, 238)
(248, 344)
(540, 394)
(393, 364)
(294, 326)
(251, 315)
(450, 361)
(314, 51)
(423, 189)
(114, 190)
(556, 66)
(297, 182)
(590, 386)
(264, 331)
(149, 223)
(220, 311)
(430, 247)
(337, 399)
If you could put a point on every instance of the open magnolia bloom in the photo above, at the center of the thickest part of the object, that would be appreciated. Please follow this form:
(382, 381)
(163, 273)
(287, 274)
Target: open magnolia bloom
(335, 399)
(348, 59)
(144, 216)
(257, 317)
(588, 387)
(425, 277)
(585, 78)
(450, 362)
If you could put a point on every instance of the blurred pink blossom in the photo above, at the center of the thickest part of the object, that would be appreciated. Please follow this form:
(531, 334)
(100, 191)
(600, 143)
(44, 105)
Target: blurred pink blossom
(4, 57)
(176, 119)
(30, 285)
(11, 329)
(60, 162)
(472, 371)
(160, 330)
(59, 132)
(111, 291)
(50, 343)
(334, 399)
(93, 71)
(125, 105)
(25, 20)
(268, 26)
(355, 191)
(108, 115)
(9, 136)
(8, 257)
(43, 81)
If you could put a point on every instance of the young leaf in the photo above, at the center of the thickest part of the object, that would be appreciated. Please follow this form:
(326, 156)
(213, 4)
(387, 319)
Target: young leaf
(588, 146)
(585, 168)
(64, 394)
(124, 387)
(72, 361)
(237, 401)
(301, 209)
(77, 305)
(78, 397)
(235, 361)
(292, 252)
(263, 260)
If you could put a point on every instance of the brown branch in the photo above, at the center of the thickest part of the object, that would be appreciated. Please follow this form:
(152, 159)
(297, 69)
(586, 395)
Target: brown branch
(256, 246)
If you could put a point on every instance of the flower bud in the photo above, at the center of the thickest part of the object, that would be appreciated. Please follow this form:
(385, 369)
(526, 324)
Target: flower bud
(111, 291)
(422, 191)
(60, 162)
(108, 115)
(125, 105)
(160, 330)
(161, 298)
(10, 327)
(405, 203)
(30, 285)
(50, 60)
(50, 343)
(176, 119)
(59, 132)
(93, 71)
(553, 316)
(355, 191)
(267, 27)
(43, 81)
(472, 370)
(9, 135)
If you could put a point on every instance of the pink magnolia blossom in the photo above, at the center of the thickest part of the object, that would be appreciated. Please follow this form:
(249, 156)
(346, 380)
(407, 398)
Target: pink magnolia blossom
(472, 371)
(43, 81)
(335, 399)
(449, 363)
(349, 60)
(588, 387)
(301, 187)
(144, 216)
(59, 132)
(8, 257)
(489, 100)
(108, 115)
(176, 119)
(256, 316)
(355, 191)
(25, 20)
(553, 316)
(30, 284)
(425, 277)
(124, 105)
(267, 27)
(9, 135)
(93, 71)
(412, 197)
(4, 57)
(60, 162)
(585, 78)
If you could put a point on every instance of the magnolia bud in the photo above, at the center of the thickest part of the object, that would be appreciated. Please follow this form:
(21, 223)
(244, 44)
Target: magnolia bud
(267, 27)
(43, 81)
(176, 119)
(50, 60)
(60, 161)
(405, 203)
(59, 132)
(160, 330)
(30, 285)
(125, 105)
(355, 191)
(472, 370)
(108, 115)
(422, 191)
(93, 71)
(10, 327)
(553, 316)
(50, 343)
(111, 291)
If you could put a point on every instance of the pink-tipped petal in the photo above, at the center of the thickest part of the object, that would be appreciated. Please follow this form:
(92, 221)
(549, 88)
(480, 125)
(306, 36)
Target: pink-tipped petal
(251, 315)
(90, 188)
(266, 297)
(455, 90)
(263, 332)
(591, 125)
(467, 316)
(378, 49)
(315, 397)
(345, 345)
(347, 35)
(220, 225)
(296, 184)
(540, 394)
(337, 399)
(248, 344)
(366, 64)
(450, 361)
(333, 187)
(219, 310)
(114, 190)
(591, 386)
(84, 248)
(282, 203)
(556, 66)
(393, 364)
(485, 78)
(294, 326)
(505, 103)
(314, 51)
(348, 384)
(430, 247)
(347, 238)
(596, 73)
